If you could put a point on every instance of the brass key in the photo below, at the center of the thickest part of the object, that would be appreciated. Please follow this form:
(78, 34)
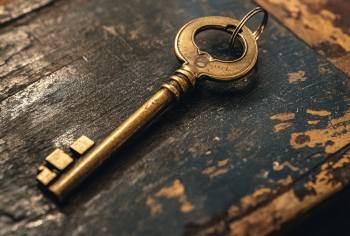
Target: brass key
(61, 173)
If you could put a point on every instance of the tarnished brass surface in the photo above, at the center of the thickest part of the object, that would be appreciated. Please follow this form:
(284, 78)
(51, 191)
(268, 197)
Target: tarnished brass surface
(45, 175)
(82, 145)
(204, 64)
(196, 64)
(113, 141)
(59, 159)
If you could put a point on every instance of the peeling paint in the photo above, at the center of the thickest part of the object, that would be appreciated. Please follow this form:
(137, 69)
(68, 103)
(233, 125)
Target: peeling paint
(278, 166)
(304, 18)
(283, 116)
(175, 191)
(250, 201)
(281, 126)
(156, 208)
(269, 218)
(220, 168)
(313, 122)
(286, 181)
(332, 138)
(295, 77)
(318, 112)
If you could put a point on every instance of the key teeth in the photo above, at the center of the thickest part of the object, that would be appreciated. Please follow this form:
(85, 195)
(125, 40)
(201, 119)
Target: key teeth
(59, 159)
(82, 145)
(45, 175)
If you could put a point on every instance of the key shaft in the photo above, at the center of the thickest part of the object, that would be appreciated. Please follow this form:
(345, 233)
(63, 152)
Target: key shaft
(177, 85)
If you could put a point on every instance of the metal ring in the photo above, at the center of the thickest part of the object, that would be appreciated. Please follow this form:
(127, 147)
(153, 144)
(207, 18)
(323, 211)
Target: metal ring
(244, 20)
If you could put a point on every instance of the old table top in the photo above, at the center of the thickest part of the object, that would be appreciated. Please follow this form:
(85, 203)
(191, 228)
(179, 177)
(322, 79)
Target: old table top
(323, 24)
(229, 160)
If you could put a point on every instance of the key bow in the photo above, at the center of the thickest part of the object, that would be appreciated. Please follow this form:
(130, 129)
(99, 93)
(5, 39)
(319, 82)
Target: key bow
(202, 63)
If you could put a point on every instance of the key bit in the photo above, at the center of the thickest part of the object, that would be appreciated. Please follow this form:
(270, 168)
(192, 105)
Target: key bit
(45, 175)
(196, 65)
(59, 159)
(81, 145)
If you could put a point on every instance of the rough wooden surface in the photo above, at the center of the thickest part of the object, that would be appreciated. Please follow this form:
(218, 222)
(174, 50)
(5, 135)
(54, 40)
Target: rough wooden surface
(13, 9)
(224, 161)
(323, 24)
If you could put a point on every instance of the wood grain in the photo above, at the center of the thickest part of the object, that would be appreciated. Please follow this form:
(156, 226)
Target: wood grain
(212, 164)
(13, 9)
(323, 24)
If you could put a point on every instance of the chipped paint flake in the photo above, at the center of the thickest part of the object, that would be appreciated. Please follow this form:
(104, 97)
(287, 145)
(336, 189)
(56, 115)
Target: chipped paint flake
(283, 116)
(296, 77)
(280, 166)
(223, 163)
(175, 191)
(332, 138)
(321, 113)
(155, 207)
(219, 169)
(286, 181)
(281, 126)
(313, 122)
(250, 201)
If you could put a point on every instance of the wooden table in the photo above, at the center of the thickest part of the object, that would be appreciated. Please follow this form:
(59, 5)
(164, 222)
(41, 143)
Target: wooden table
(229, 160)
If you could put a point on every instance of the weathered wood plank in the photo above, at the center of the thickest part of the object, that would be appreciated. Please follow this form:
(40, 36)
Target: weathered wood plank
(218, 156)
(324, 25)
(329, 179)
(267, 216)
(12, 9)
(31, 51)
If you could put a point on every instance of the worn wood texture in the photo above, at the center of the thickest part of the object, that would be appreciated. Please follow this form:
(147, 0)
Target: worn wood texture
(226, 160)
(323, 24)
(13, 9)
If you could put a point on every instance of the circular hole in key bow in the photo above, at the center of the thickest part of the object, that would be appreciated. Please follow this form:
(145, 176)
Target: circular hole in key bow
(216, 42)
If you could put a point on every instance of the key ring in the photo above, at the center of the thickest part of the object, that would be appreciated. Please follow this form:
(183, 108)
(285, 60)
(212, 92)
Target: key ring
(244, 20)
